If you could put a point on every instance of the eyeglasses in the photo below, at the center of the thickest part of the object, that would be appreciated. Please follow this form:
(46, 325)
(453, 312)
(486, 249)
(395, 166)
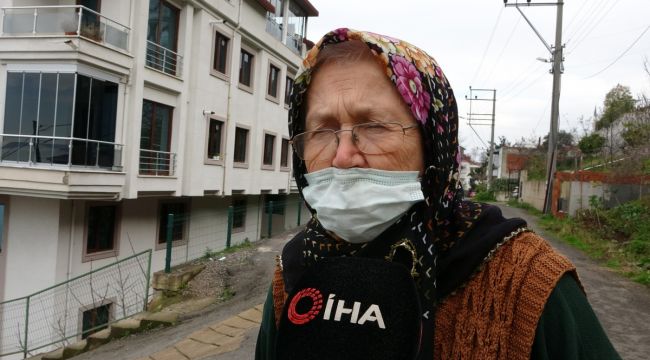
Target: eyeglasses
(370, 138)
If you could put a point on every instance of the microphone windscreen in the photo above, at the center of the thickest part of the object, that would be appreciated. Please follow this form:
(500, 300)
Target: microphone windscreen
(351, 308)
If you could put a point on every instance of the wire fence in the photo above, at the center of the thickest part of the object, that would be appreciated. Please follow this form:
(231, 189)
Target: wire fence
(76, 308)
(189, 237)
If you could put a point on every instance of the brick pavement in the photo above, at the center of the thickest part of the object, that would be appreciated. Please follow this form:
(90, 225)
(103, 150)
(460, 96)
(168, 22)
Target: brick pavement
(214, 339)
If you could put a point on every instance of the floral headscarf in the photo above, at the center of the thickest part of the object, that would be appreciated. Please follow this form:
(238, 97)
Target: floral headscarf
(437, 232)
(425, 89)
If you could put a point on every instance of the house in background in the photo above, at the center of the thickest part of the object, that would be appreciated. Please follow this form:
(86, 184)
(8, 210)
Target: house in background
(115, 113)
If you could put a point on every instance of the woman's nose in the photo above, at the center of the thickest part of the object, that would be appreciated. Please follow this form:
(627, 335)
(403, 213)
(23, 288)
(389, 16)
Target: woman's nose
(347, 153)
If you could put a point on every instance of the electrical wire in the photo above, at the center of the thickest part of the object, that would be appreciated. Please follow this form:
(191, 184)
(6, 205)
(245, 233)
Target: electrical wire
(621, 55)
(577, 15)
(586, 35)
(496, 62)
(533, 82)
(587, 19)
(480, 65)
(523, 76)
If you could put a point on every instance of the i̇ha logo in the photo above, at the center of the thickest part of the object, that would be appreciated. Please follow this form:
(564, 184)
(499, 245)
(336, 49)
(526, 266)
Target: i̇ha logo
(372, 313)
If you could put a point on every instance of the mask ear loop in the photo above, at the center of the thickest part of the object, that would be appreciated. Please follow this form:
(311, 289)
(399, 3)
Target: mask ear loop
(410, 248)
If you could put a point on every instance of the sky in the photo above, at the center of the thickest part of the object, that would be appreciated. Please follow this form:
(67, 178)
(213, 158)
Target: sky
(481, 43)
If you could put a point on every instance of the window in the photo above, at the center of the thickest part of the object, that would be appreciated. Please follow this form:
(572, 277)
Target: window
(95, 319)
(155, 139)
(216, 138)
(49, 110)
(296, 27)
(279, 204)
(273, 83)
(101, 232)
(246, 65)
(269, 149)
(179, 210)
(220, 55)
(239, 214)
(162, 36)
(274, 20)
(287, 91)
(284, 154)
(241, 145)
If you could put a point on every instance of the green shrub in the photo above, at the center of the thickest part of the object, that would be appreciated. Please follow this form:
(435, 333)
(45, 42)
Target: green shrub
(484, 196)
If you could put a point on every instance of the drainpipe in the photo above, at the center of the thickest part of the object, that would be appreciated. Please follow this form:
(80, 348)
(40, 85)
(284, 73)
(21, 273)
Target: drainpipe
(229, 100)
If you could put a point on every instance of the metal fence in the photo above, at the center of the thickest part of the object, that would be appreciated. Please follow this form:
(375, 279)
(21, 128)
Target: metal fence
(75, 308)
(163, 59)
(207, 235)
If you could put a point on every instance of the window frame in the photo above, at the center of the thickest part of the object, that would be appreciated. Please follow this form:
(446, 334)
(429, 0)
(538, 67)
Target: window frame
(273, 154)
(251, 51)
(286, 167)
(103, 254)
(234, 199)
(111, 301)
(287, 89)
(213, 71)
(236, 163)
(171, 171)
(207, 159)
(278, 85)
(186, 225)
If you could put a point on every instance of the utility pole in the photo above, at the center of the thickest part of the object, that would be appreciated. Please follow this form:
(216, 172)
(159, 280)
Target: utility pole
(557, 59)
(483, 119)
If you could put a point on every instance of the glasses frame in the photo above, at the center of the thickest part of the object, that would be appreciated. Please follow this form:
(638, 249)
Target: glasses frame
(352, 132)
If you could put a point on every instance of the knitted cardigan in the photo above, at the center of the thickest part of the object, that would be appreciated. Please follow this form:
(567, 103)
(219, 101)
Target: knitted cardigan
(495, 314)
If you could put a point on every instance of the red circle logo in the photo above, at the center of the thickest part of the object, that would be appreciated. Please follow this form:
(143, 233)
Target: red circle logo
(316, 306)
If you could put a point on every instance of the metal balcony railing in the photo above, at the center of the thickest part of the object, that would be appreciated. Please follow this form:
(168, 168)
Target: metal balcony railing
(59, 151)
(163, 59)
(273, 27)
(66, 20)
(157, 163)
(294, 42)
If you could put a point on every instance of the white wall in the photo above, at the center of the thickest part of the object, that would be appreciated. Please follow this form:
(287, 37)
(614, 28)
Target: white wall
(31, 245)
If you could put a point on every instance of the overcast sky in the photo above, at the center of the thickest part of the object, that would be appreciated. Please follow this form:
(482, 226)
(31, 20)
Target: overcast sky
(480, 43)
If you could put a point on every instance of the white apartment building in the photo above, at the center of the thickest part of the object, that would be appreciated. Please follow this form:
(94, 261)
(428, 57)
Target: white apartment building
(115, 113)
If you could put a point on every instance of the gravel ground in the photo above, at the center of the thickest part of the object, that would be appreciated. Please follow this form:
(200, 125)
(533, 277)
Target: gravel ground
(217, 275)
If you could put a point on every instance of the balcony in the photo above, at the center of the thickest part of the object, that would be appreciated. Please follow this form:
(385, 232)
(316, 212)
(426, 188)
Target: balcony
(69, 21)
(163, 59)
(157, 163)
(61, 167)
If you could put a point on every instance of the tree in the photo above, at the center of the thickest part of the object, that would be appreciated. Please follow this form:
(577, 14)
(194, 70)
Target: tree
(564, 139)
(591, 144)
(618, 101)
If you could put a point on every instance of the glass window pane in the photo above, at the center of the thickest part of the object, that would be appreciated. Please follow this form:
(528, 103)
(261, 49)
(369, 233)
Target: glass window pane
(64, 105)
(168, 26)
(245, 68)
(13, 102)
(46, 112)
(269, 141)
(287, 91)
(147, 120)
(221, 53)
(30, 103)
(241, 141)
(101, 228)
(214, 139)
(152, 27)
(180, 218)
(284, 153)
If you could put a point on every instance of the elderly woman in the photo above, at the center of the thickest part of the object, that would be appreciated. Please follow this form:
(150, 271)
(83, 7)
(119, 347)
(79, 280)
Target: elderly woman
(374, 130)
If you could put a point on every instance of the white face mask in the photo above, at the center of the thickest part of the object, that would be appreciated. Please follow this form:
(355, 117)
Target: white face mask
(359, 204)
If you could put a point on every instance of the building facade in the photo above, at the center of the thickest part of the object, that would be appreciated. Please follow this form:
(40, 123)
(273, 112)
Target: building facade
(114, 114)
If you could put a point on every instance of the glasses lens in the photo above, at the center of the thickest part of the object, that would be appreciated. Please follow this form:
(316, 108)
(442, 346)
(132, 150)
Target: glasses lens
(379, 138)
(314, 144)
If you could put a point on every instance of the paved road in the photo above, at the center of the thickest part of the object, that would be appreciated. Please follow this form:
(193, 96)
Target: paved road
(622, 306)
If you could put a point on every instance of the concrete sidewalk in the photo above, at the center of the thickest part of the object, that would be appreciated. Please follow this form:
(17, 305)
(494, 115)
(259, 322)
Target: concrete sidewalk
(213, 340)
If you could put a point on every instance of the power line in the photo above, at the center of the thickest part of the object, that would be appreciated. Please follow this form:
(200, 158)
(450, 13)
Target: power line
(587, 19)
(496, 62)
(586, 35)
(533, 82)
(577, 15)
(622, 54)
(522, 77)
(487, 46)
